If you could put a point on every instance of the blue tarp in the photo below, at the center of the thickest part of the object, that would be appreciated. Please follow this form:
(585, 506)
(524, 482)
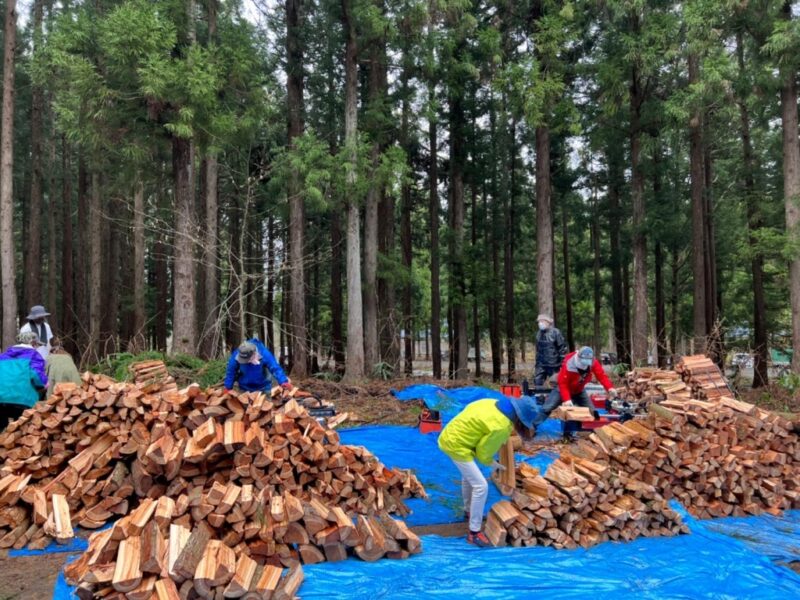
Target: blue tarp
(451, 402)
(407, 448)
(700, 565)
(76, 544)
(775, 537)
(703, 564)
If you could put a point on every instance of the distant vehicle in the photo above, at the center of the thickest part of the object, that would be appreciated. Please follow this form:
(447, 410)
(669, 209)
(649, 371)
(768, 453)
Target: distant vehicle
(608, 358)
(743, 360)
(471, 355)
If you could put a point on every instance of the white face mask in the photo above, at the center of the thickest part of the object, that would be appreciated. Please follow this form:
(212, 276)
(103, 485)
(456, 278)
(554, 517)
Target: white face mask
(584, 363)
(542, 325)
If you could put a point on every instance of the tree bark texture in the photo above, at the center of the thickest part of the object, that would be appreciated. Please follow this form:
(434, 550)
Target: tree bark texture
(67, 291)
(754, 224)
(433, 220)
(697, 174)
(82, 255)
(294, 78)
(7, 267)
(33, 215)
(96, 297)
(567, 284)
(370, 283)
(407, 207)
(458, 290)
(615, 261)
(354, 369)
(137, 343)
(791, 191)
(544, 224)
(210, 265)
(184, 330)
(639, 325)
(508, 259)
(52, 238)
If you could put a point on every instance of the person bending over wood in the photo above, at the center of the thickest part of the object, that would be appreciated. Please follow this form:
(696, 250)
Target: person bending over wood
(251, 365)
(550, 350)
(60, 366)
(478, 432)
(576, 371)
(22, 378)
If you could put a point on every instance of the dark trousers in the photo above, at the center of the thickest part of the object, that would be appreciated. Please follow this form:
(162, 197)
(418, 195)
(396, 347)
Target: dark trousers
(542, 374)
(554, 401)
(10, 412)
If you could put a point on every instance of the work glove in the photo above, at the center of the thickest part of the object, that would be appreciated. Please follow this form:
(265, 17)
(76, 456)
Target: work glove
(613, 393)
(496, 466)
(227, 391)
(287, 386)
(568, 404)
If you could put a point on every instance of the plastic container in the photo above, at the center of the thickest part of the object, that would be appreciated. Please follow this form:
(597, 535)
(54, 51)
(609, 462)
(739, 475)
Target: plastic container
(511, 389)
(430, 421)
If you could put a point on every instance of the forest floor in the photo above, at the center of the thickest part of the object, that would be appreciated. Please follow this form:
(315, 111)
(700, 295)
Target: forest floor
(29, 577)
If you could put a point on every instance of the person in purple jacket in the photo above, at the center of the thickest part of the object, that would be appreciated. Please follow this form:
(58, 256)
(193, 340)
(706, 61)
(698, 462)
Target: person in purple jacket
(251, 365)
(22, 377)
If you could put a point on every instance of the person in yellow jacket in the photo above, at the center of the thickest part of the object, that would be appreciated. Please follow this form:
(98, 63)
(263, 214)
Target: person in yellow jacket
(478, 432)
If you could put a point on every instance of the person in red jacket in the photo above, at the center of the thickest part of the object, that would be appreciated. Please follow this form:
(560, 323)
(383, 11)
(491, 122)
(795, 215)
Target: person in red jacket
(576, 371)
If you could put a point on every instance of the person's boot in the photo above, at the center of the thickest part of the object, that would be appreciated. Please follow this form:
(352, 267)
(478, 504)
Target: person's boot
(478, 539)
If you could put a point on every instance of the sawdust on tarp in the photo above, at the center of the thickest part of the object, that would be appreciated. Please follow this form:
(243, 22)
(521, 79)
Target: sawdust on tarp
(372, 402)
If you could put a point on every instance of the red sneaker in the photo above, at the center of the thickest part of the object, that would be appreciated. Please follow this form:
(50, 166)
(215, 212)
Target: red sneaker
(479, 540)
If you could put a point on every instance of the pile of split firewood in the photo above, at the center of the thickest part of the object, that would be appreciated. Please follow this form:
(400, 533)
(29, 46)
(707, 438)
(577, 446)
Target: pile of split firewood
(210, 493)
(718, 458)
(695, 377)
(578, 502)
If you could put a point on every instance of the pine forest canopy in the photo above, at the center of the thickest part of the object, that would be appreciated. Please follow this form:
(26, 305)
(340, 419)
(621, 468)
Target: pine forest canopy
(369, 183)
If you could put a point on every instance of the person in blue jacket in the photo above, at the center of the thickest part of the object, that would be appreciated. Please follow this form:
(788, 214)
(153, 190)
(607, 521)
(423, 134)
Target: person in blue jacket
(22, 378)
(251, 365)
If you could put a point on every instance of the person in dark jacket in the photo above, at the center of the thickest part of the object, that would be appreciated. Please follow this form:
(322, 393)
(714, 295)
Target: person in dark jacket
(577, 370)
(251, 365)
(22, 378)
(550, 350)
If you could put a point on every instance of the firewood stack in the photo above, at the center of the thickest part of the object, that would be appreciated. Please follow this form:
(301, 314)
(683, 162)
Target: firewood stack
(654, 385)
(187, 468)
(720, 458)
(704, 378)
(578, 502)
(152, 376)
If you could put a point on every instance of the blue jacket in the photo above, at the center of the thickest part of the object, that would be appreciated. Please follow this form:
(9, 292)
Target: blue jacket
(254, 378)
(22, 376)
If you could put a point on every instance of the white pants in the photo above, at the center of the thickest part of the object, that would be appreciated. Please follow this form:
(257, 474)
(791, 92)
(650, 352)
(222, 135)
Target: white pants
(474, 489)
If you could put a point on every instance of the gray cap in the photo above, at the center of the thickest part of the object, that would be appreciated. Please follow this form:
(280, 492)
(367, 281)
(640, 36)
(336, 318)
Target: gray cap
(545, 317)
(246, 352)
(586, 353)
(37, 312)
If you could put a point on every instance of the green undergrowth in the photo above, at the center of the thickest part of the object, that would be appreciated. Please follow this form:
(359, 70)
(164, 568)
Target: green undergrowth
(183, 367)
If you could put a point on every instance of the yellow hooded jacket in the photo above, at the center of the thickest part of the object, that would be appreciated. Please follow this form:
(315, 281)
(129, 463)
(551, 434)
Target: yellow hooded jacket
(478, 431)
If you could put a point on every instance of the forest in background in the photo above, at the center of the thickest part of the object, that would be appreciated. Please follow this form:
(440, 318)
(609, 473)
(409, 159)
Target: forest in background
(328, 175)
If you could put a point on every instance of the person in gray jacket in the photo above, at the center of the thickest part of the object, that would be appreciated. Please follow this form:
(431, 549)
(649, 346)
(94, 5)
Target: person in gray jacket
(550, 350)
